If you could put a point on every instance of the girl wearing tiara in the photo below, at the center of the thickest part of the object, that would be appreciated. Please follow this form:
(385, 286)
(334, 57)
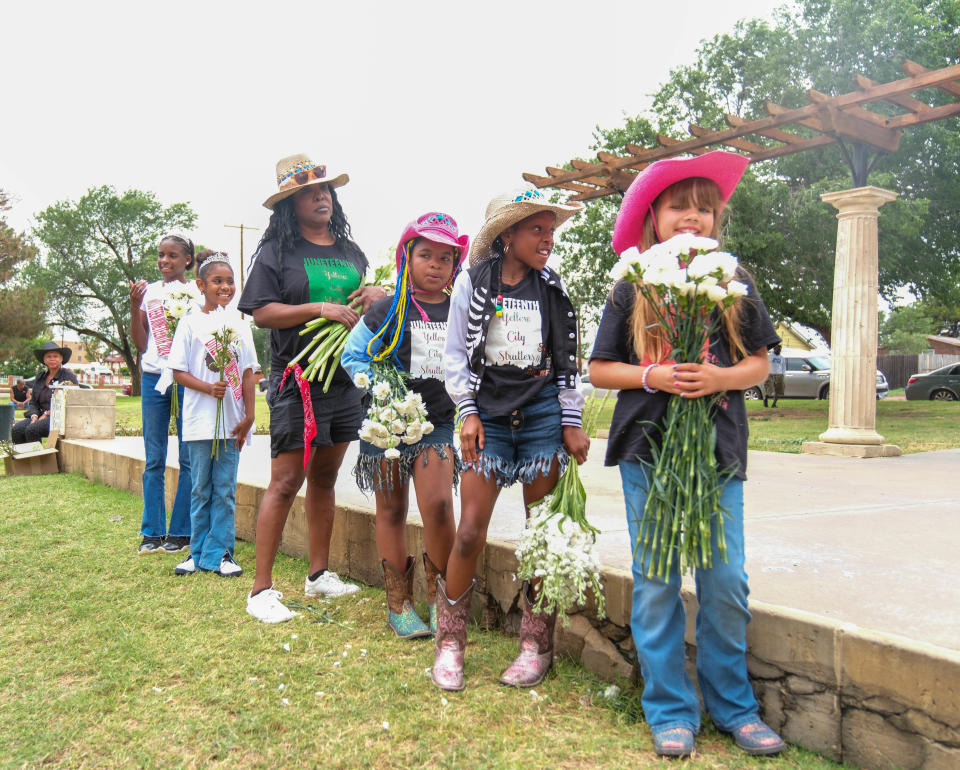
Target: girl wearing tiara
(213, 358)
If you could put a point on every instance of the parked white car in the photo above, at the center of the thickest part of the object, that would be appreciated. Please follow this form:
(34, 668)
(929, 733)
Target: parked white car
(808, 376)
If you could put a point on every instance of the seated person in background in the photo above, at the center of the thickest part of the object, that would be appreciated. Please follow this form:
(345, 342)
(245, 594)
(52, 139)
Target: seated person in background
(36, 424)
(20, 394)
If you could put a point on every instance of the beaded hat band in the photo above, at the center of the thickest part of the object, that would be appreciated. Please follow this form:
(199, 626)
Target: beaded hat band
(297, 171)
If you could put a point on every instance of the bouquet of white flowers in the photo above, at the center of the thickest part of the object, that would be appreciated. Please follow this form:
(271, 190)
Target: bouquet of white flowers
(557, 544)
(684, 282)
(176, 304)
(396, 414)
(222, 356)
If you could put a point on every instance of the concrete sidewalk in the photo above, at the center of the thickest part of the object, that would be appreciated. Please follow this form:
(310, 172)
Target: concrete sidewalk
(870, 542)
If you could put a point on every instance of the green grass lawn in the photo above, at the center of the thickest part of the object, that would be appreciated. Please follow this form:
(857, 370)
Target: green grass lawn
(111, 661)
(129, 422)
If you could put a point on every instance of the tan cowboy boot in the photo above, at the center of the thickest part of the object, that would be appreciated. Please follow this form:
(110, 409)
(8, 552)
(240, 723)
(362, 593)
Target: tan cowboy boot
(451, 639)
(431, 572)
(401, 616)
(536, 646)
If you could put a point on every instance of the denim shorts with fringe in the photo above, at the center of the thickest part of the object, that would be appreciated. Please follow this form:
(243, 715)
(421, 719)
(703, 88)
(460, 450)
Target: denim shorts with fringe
(368, 471)
(522, 445)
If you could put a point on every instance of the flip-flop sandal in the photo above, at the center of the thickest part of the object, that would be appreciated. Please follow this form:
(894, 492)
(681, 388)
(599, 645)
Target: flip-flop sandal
(673, 742)
(757, 739)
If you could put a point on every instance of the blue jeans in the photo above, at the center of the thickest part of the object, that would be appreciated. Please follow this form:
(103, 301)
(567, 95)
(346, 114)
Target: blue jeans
(658, 622)
(212, 502)
(155, 410)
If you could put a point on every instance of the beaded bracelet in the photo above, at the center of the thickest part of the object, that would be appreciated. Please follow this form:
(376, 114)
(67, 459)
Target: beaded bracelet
(644, 379)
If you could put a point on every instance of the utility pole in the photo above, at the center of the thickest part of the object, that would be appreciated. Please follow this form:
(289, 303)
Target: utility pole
(241, 228)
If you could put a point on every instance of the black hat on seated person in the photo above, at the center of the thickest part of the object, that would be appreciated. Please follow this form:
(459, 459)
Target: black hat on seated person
(65, 353)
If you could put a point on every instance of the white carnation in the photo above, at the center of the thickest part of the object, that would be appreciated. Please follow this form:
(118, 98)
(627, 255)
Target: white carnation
(426, 427)
(361, 380)
(737, 289)
(714, 293)
(381, 390)
(392, 453)
(684, 243)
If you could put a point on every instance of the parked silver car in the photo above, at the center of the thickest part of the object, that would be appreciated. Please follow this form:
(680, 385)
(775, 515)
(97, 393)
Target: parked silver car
(808, 376)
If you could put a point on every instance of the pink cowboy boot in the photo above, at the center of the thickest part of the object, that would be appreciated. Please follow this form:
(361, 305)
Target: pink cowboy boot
(451, 638)
(536, 646)
(431, 572)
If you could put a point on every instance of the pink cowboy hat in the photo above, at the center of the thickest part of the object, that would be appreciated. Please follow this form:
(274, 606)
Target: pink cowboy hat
(438, 227)
(724, 168)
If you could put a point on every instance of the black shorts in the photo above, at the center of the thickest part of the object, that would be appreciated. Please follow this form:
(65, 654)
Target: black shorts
(338, 413)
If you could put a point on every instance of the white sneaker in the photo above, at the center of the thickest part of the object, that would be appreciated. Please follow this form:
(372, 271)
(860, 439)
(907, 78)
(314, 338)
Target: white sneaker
(329, 584)
(266, 607)
(186, 567)
(228, 567)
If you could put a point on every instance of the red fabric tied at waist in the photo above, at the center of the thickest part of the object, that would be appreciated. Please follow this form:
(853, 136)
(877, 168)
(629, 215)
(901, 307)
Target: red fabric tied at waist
(309, 421)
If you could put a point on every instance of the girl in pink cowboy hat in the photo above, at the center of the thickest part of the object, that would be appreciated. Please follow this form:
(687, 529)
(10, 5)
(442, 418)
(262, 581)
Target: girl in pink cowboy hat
(429, 256)
(668, 198)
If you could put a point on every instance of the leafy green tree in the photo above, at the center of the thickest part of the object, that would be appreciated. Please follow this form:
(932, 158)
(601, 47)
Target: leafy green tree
(779, 226)
(22, 307)
(92, 250)
(905, 329)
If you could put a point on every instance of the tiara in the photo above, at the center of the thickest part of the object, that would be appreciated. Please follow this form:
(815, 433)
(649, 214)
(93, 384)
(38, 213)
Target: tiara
(217, 256)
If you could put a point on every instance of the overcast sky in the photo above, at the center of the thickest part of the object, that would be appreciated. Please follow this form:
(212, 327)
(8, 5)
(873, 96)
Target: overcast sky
(427, 105)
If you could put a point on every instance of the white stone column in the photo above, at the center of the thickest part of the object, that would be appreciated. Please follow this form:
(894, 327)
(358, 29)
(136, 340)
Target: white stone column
(853, 344)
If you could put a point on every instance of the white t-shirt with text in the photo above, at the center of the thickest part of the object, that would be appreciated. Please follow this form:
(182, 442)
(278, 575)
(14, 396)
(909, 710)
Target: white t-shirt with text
(158, 336)
(192, 351)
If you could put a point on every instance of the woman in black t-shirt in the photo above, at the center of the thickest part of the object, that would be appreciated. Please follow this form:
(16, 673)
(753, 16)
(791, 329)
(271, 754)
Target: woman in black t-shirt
(306, 266)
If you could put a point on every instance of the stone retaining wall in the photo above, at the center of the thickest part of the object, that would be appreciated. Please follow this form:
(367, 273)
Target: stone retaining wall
(865, 698)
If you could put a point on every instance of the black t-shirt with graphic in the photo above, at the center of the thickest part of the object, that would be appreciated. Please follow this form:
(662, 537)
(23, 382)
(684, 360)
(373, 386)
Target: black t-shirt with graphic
(420, 352)
(636, 409)
(518, 366)
(310, 273)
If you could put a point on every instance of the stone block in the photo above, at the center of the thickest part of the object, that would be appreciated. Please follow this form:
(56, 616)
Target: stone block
(769, 695)
(920, 676)
(813, 721)
(794, 641)
(499, 574)
(294, 540)
(601, 656)
(850, 450)
(918, 722)
(79, 413)
(871, 741)
(938, 757)
(759, 669)
(800, 685)
(618, 595)
(568, 640)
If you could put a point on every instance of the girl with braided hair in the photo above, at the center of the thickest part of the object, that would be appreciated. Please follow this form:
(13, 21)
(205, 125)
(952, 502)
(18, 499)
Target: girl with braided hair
(409, 331)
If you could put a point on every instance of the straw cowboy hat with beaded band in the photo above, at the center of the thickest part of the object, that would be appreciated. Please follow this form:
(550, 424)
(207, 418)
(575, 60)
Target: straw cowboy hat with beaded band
(512, 207)
(297, 171)
(724, 168)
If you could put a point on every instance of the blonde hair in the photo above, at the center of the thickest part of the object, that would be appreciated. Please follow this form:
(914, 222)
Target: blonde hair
(649, 338)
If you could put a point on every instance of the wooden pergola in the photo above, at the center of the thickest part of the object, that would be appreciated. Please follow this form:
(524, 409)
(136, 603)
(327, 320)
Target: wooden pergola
(862, 134)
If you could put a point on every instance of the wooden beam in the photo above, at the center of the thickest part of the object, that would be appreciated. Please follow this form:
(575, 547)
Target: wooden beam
(669, 141)
(845, 124)
(586, 165)
(907, 102)
(934, 113)
(593, 195)
(812, 122)
(770, 133)
(740, 144)
(854, 110)
(790, 149)
(916, 70)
